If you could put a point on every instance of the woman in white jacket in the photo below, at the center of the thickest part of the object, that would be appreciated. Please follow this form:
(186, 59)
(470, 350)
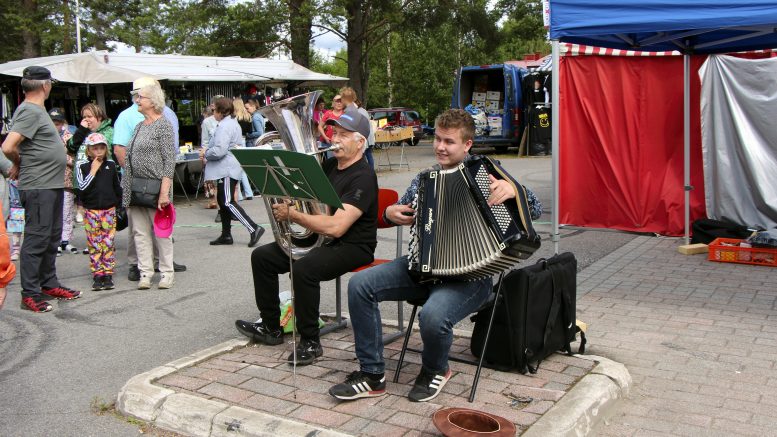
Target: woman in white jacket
(224, 168)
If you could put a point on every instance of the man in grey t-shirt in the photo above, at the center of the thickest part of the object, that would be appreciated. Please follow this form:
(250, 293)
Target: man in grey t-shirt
(34, 147)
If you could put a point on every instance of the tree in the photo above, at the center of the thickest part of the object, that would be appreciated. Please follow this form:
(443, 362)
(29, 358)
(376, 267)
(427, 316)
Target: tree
(300, 30)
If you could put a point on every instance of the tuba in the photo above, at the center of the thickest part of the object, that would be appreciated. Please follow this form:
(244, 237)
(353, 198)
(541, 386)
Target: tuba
(292, 119)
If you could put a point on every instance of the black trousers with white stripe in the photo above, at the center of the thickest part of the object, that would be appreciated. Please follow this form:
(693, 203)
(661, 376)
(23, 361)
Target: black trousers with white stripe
(228, 208)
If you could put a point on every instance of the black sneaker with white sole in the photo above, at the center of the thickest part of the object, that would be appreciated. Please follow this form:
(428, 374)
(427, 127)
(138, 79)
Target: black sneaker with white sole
(359, 385)
(307, 352)
(428, 385)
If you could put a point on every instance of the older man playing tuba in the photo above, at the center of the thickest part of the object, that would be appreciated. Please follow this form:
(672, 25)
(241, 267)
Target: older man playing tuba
(354, 236)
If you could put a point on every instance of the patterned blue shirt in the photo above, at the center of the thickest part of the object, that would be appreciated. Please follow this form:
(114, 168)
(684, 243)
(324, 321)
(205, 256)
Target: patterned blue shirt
(535, 206)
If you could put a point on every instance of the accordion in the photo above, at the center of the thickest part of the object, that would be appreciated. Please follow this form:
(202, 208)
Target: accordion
(457, 235)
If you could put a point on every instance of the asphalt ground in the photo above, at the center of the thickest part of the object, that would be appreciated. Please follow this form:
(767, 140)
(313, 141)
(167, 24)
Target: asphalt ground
(56, 368)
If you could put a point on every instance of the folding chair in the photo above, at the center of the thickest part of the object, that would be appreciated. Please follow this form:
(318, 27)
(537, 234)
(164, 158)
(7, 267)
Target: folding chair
(490, 303)
(386, 198)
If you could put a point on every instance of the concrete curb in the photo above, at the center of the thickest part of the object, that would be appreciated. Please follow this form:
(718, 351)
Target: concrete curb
(586, 404)
(196, 416)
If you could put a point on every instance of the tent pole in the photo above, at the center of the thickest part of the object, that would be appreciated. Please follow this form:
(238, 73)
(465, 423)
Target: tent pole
(555, 149)
(687, 142)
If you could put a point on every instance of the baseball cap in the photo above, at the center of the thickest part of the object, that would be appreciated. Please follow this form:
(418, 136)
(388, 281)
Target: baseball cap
(143, 82)
(56, 114)
(337, 97)
(164, 219)
(95, 138)
(34, 72)
(353, 121)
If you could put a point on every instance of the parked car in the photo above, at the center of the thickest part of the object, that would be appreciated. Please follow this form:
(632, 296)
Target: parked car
(401, 117)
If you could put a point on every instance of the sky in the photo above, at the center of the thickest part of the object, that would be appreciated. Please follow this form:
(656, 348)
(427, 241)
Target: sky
(326, 44)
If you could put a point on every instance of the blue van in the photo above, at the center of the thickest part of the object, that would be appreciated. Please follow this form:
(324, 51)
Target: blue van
(496, 89)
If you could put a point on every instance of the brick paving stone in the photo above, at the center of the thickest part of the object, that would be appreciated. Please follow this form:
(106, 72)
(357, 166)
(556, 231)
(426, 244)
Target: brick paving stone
(265, 387)
(383, 429)
(538, 407)
(227, 378)
(355, 425)
(308, 384)
(264, 360)
(232, 356)
(337, 344)
(194, 372)
(303, 397)
(181, 381)
(556, 386)
(227, 366)
(362, 409)
(418, 408)
(743, 428)
(226, 392)
(413, 421)
(268, 404)
(262, 372)
(319, 416)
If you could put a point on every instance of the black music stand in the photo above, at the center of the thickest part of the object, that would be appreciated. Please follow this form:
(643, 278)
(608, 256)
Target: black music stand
(292, 176)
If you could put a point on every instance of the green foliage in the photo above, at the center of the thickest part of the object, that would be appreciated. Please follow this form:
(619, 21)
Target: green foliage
(423, 41)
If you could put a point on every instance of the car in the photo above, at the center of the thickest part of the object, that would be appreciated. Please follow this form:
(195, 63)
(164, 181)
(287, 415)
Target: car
(401, 117)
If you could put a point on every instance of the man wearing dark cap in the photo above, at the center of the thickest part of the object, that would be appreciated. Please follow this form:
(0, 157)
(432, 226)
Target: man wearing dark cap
(35, 148)
(354, 236)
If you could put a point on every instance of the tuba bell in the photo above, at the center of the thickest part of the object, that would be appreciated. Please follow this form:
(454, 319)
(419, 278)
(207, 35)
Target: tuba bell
(292, 119)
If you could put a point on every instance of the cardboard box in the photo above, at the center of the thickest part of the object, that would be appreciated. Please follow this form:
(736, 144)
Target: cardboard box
(493, 95)
(494, 121)
(393, 135)
(478, 97)
(493, 105)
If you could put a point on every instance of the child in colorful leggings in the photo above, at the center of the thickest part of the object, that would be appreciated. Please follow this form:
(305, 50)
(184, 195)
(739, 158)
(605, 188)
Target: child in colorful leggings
(98, 180)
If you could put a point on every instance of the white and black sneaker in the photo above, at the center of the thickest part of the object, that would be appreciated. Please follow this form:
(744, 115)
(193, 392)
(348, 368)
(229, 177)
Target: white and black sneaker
(359, 385)
(428, 385)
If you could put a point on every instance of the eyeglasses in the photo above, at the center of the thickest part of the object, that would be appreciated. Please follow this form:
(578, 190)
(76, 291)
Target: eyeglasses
(137, 96)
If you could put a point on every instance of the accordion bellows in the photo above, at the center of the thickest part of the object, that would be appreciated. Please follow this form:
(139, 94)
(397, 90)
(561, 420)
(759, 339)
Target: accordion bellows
(457, 235)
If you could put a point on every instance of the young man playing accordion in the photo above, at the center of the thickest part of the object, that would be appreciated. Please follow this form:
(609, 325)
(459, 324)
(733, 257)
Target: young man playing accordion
(448, 300)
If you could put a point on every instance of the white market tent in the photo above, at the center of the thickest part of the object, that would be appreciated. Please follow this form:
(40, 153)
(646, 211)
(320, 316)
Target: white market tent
(102, 67)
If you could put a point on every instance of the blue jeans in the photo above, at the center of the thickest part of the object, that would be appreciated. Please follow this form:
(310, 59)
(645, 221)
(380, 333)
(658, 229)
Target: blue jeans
(447, 303)
(246, 186)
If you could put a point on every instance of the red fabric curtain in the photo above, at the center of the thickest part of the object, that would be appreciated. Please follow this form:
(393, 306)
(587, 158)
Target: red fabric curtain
(621, 137)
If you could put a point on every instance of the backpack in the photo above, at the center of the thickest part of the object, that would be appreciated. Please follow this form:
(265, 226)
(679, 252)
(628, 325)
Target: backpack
(536, 311)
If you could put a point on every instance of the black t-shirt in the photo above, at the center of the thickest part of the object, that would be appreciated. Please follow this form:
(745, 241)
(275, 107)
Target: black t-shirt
(357, 185)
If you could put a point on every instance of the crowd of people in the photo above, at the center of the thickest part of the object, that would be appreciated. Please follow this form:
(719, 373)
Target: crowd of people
(131, 167)
(55, 174)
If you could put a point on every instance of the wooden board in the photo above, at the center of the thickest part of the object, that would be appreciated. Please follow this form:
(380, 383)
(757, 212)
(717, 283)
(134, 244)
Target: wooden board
(693, 249)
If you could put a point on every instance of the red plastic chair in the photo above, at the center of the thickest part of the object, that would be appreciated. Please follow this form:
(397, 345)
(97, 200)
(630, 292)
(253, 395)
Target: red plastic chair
(386, 198)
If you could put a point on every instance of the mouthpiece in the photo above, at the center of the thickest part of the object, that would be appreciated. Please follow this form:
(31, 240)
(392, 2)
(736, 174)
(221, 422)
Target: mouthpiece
(328, 149)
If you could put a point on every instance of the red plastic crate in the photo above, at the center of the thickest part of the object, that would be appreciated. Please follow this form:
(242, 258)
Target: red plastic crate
(728, 250)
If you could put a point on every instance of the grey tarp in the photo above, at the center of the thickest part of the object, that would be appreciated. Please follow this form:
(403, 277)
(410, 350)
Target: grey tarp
(739, 139)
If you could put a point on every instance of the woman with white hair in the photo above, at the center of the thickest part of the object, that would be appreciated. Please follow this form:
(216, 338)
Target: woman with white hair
(150, 162)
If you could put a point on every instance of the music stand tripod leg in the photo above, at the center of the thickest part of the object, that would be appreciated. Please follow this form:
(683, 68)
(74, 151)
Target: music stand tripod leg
(293, 312)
